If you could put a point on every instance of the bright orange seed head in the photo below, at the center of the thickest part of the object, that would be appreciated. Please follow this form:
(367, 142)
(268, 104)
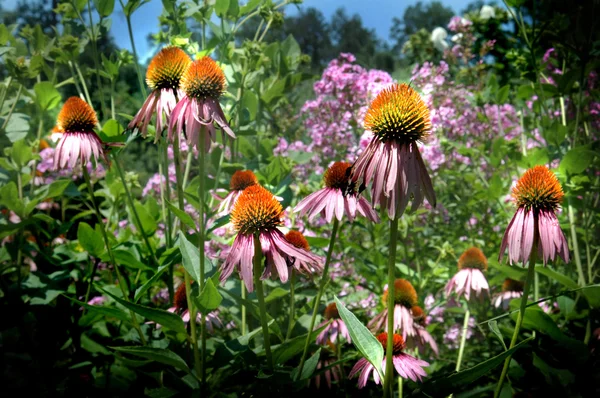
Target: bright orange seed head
(166, 68)
(398, 113)
(538, 189)
(331, 312)
(511, 285)
(473, 258)
(256, 210)
(404, 294)
(297, 239)
(242, 179)
(417, 313)
(76, 116)
(398, 342)
(203, 79)
(337, 175)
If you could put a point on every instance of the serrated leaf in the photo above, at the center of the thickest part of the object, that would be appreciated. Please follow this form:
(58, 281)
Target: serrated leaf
(161, 355)
(362, 338)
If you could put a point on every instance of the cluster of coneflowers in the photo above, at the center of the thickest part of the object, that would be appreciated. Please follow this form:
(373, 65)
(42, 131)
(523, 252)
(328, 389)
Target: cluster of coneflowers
(184, 101)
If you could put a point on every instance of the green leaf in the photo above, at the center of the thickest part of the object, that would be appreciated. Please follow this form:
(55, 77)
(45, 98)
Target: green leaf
(149, 224)
(309, 367)
(362, 338)
(149, 283)
(21, 153)
(57, 188)
(290, 348)
(104, 7)
(46, 95)
(592, 294)
(190, 256)
(17, 127)
(557, 276)
(576, 160)
(209, 298)
(90, 239)
(221, 7)
(126, 258)
(161, 355)
(183, 216)
(109, 312)
(162, 317)
(494, 328)
(502, 94)
(276, 293)
(250, 103)
(456, 382)
(112, 128)
(249, 6)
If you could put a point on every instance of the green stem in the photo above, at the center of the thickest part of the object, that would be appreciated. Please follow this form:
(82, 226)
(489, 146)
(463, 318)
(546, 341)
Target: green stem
(400, 382)
(85, 89)
(324, 281)
(122, 282)
(135, 56)
(243, 289)
(12, 108)
(292, 309)
(576, 246)
(9, 81)
(190, 303)
(389, 352)
(136, 216)
(93, 32)
(260, 295)
(163, 164)
(201, 237)
(463, 339)
(521, 315)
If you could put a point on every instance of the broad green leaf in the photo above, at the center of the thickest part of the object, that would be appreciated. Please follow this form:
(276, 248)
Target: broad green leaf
(46, 95)
(249, 6)
(142, 289)
(190, 256)
(250, 103)
(149, 224)
(183, 216)
(234, 9)
(502, 94)
(57, 188)
(493, 325)
(109, 312)
(17, 127)
(125, 257)
(21, 153)
(221, 7)
(290, 348)
(592, 294)
(456, 382)
(309, 367)
(557, 276)
(161, 355)
(209, 298)
(362, 338)
(104, 7)
(577, 160)
(162, 317)
(90, 240)
(276, 293)
(112, 128)
(275, 91)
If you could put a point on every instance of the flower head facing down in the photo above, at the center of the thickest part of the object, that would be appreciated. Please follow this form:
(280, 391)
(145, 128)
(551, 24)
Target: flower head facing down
(199, 110)
(511, 289)
(180, 299)
(297, 239)
(256, 215)
(203, 79)
(399, 119)
(256, 210)
(163, 76)
(166, 68)
(469, 279)
(180, 307)
(240, 180)
(418, 314)
(405, 299)
(407, 366)
(537, 195)
(404, 294)
(334, 328)
(339, 197)
(78, 144)
(512, 285)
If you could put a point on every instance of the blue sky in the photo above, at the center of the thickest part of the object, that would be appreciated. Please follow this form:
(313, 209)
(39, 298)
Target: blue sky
(376, 14)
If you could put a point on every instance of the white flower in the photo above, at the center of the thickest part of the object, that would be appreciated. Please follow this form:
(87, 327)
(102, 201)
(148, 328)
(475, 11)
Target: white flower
(456, 38)
(487, 12)
(438, 37)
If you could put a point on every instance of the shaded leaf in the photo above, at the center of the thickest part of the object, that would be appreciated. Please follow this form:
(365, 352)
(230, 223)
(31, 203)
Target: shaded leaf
(161, 355)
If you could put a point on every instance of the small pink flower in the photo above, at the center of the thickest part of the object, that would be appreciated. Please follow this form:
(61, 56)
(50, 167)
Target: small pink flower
(408, 367)
(240, 180)
(405, 298)
(334, 329)
(469, 279)
(511, 289)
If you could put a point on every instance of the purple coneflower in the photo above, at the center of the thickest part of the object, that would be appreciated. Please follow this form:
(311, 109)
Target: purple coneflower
(163, 77)
(405, 298)
(337, 198)
(240, 180)
(511, 289)
(79, 143)
(408, 367)
(257, 212)
(334, 329)
(203, 83)
(469, 279)
(537, 195)
(332, 372)
(180, 307)
(422, 337)
(398, 119)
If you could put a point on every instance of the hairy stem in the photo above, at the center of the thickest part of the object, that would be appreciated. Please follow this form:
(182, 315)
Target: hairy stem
(389, 352)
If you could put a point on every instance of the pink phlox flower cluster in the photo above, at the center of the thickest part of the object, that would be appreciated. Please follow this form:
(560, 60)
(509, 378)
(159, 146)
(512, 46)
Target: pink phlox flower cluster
(47, 175)
(454, 332)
